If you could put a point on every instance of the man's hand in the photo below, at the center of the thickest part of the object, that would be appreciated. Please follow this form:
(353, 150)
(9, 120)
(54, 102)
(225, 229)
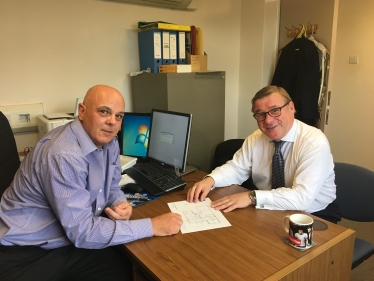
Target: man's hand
(122, 211)
(201, 188)
(166, 224)
(231, 202)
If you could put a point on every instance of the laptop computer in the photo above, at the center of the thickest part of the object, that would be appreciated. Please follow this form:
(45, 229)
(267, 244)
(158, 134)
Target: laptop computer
(169, 137)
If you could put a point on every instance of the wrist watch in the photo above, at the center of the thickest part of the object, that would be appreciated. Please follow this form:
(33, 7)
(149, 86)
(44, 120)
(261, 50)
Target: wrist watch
(252, 195)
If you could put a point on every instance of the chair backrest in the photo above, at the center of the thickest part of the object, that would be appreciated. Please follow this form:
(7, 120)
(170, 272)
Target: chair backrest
(9, 159)
(355, 192)
(225, 151)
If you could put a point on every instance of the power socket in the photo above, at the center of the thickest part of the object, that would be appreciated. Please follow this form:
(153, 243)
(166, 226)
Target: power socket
(353, 60)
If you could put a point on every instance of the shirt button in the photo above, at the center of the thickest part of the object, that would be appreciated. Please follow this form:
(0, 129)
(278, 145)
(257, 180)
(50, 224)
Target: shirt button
(100, 190)
(99, 209)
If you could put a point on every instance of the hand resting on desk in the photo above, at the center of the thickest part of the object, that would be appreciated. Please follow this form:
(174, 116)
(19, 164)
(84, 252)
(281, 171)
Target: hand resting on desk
(231, 202)
(201, 189)
(166, 224)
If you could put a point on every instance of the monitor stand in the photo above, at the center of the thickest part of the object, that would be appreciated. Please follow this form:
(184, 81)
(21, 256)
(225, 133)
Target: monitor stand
(189, 169)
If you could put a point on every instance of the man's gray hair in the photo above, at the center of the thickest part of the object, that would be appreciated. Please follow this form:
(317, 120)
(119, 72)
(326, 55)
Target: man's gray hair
(268, 90)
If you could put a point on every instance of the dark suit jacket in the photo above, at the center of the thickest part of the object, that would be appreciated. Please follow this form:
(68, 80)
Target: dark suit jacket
(298, 72)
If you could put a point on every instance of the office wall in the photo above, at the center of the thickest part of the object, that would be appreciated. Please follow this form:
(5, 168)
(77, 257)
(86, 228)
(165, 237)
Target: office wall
(350, 129)
(343, 29)
(251, 52)
(53, 51)
(296, 12)
(321, 12)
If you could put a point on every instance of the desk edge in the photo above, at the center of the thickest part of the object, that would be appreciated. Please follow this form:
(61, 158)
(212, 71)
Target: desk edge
(298, 263)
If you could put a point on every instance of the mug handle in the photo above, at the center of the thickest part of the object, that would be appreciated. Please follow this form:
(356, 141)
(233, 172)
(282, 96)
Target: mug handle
(286, 223)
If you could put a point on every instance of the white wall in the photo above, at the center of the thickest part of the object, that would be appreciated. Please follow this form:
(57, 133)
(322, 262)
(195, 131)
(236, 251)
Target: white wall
(251, 58)
(350, 129)
(344, 28)
(52, 51)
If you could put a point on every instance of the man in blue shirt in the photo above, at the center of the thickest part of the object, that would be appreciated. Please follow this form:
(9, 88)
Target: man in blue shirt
(50, 217)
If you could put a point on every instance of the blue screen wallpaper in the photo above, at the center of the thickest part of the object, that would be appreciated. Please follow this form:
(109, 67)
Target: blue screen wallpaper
(135, 134)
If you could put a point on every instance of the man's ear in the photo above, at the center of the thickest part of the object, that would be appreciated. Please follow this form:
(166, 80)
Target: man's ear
(81, 110)
(291, 105)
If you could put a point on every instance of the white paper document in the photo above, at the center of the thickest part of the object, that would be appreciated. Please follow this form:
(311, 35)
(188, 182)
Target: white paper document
(198, 216)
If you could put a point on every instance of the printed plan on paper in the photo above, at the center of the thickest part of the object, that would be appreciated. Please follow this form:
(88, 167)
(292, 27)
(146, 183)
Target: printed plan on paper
(198, 216)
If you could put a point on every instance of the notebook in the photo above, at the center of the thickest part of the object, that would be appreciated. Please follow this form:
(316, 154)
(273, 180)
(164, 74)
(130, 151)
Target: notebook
(169, 137)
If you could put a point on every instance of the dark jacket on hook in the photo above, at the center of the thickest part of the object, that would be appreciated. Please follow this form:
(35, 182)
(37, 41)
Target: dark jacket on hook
(298, 72)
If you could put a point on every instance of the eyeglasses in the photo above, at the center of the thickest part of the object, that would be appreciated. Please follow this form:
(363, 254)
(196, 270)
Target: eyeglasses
(275, 112)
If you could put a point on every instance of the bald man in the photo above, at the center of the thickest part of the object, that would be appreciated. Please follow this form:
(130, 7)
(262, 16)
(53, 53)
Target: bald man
(51, 223)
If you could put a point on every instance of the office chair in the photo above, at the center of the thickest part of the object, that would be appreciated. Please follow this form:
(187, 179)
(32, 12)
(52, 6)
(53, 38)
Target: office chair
(224, 152)
(355, 197)
(9, 159)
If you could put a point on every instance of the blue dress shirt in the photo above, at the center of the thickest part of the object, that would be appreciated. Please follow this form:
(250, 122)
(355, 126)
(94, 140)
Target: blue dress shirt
(59, 192)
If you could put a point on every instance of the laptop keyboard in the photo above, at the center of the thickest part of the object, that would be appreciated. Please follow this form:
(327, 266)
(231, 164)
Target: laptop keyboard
(162, 177)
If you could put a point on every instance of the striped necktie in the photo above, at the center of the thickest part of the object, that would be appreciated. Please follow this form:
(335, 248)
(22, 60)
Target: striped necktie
(277, 166)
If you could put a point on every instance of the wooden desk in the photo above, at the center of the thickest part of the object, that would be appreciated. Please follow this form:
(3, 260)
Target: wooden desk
(252, 248)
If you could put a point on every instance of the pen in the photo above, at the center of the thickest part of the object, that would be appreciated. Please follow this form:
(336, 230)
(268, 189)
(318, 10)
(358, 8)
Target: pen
(137, 199)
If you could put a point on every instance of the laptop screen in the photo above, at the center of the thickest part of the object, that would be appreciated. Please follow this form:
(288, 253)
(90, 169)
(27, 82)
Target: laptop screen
(134, 134)
(169, 138)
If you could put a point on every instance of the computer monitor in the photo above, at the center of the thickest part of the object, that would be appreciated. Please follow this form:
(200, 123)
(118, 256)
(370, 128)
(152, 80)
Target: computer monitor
(169, 138)
(134, 134)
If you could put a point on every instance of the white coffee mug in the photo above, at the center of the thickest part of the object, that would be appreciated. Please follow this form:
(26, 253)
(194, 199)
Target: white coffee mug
(300, 230)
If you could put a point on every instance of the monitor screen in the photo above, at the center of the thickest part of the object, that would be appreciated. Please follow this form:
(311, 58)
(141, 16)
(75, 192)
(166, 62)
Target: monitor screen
(169, 138)
(134, 134)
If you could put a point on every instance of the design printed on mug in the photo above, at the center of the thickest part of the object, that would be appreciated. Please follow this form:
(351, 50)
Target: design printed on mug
(299, 228)
(302, 238)
(310, 235)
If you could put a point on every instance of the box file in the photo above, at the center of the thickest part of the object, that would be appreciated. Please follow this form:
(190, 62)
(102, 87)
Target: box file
(199, 42)
(181, 55)
(150, 51)
(173, 47)
(193, 40)
(165, 47)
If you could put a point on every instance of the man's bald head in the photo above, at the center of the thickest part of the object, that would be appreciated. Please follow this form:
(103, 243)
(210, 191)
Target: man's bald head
(100, 91)
(101, 113)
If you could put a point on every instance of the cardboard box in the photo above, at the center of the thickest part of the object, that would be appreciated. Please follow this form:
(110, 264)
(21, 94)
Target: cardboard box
(178, 68)
(198, 62)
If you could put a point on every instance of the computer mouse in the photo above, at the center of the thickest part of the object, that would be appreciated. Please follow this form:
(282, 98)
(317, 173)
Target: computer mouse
(132, 187)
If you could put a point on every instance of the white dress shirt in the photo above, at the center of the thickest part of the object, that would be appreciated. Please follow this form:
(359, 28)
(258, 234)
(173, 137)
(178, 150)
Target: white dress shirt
(309, 170)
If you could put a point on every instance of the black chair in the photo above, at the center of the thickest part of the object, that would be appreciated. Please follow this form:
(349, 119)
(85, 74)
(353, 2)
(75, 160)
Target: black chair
(9, 159)
(224, 152)
(355, 197)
